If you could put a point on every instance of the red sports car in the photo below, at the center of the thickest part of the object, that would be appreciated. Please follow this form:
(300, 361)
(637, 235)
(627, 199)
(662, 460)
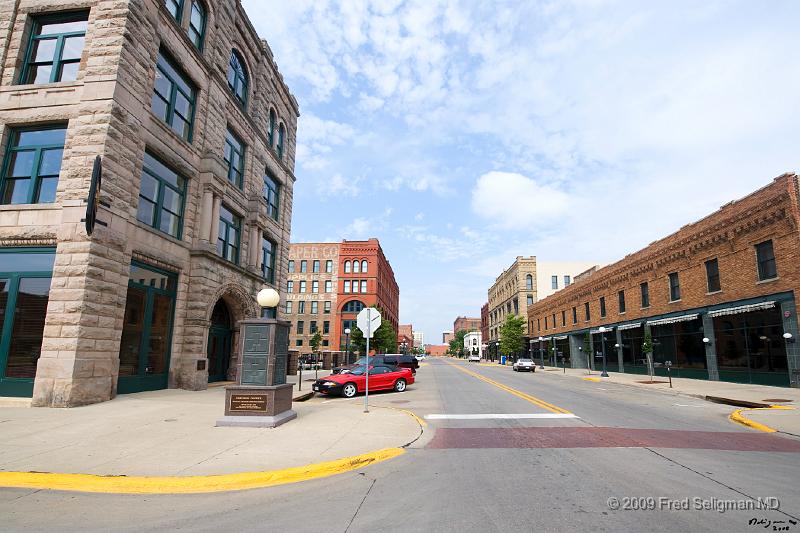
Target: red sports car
(354, 381)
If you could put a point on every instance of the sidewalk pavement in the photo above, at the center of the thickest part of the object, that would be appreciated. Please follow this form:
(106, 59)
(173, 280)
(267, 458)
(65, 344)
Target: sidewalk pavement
(172, 433)
(738, 394)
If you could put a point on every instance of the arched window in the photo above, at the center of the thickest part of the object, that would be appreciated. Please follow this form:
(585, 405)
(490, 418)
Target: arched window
(197, 24)
(356, 267)
(529, 282)
(347, 267)
(353, 306)
(281, 135)
(364, 266)
(271, 132)
(237, 78)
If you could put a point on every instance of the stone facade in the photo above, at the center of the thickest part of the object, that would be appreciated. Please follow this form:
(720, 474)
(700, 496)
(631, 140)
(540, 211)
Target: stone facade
(509, 294)
(107, 110)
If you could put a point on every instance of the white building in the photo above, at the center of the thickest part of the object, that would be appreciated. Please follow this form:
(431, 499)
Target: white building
(473, 343)
(552, 276)
(419, 339)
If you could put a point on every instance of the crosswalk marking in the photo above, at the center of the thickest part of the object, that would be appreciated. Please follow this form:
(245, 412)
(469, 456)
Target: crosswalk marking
(506, 416)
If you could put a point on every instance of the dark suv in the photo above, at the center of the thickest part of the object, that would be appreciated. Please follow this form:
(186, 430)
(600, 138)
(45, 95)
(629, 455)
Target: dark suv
(389, 359)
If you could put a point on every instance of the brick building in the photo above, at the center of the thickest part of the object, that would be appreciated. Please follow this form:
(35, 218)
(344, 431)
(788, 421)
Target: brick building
(349, 276)
(405, 337)
(485, 322)
(467, 324)
(447, 336)
(196, 130)
(718, 298)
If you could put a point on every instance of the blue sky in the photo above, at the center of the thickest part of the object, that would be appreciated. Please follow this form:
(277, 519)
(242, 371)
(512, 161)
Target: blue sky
(463, 134)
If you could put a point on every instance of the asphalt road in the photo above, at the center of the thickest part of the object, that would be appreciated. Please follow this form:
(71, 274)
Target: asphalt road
(560, 449)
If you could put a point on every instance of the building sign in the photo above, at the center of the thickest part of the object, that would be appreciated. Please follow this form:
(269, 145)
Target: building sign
(93, 200)
(251, 403)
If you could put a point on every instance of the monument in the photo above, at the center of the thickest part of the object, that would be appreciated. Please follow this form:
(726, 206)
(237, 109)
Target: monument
(261, 397)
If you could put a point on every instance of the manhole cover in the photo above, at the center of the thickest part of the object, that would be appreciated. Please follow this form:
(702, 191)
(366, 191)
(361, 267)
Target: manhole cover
(652, 382)
(777, 400)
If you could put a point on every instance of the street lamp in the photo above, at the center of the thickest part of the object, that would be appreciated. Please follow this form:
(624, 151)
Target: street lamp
(602, 331)
(531, 345)
(347, 341)
(541, 354)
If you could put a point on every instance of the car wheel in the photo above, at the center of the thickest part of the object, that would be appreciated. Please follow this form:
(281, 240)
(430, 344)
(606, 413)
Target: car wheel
(400, 385)
(349, 390)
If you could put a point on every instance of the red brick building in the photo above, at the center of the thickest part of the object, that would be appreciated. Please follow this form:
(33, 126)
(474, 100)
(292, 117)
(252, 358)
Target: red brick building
(365, 279)
(485, 322)
(718, 298)
(329, 283)
(467, 324)
(405, 335)
(436, 349)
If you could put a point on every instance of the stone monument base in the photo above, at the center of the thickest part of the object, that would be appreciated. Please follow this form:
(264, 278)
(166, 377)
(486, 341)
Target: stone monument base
(257, 406)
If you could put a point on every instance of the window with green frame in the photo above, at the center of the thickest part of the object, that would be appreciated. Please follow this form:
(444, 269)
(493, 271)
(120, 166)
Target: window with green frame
(281, 135)
(55, 48)
(197, 24)
(271, 132)
(230, 228)
(271, 195)
(268, 260)
(175, 8)
(237, 78)
(174, 97)
(234, 158)
(161, 197)
(32, 165)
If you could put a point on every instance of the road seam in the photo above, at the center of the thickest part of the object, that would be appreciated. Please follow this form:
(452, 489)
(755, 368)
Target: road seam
(192, 484)
(739, 418)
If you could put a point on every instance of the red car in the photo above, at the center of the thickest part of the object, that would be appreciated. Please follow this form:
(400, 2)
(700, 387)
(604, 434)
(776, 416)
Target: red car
(352, 382)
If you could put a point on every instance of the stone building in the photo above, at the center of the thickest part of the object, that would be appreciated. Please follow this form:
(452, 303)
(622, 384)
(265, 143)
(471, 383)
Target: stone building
(195, 128)
(360, 276)
(511, 294)
(717, 299)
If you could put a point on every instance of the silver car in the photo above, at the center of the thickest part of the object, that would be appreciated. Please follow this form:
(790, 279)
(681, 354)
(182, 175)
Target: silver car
(524, 365)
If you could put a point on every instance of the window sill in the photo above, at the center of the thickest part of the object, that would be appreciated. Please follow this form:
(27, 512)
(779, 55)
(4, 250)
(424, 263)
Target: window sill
(675, 301)
(622, 312)
(645, 307)
(712, 293)
(770, 280)
(30, 207)
(165, 236)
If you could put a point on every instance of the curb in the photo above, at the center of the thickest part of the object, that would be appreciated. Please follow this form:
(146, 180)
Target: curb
(737, 403)
(739, 418)
(192, 484)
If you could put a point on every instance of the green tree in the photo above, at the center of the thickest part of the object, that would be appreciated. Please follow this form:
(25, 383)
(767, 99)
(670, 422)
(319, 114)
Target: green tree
(512, 340)
(457, 343)
(384, 339)
(316, 340)
(358, 343)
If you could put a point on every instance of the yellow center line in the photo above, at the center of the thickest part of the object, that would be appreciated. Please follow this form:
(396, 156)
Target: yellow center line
(527, 397)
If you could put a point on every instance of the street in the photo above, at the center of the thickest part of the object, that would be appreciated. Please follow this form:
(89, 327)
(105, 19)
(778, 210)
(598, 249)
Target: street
(500, 451)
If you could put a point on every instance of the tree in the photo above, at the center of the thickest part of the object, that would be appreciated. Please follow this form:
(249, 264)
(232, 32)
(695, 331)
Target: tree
(457, 343)
(358, 343)
(384, 339)
(512, 340)
(316, 340)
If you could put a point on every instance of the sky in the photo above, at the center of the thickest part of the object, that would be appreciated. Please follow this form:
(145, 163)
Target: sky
(463, 134)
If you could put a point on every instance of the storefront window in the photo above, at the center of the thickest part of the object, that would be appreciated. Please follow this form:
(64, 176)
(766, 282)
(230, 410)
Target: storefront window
(751, 344)
(681, 343)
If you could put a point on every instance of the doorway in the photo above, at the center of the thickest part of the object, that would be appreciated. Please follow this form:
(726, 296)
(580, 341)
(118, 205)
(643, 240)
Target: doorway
(220, 336)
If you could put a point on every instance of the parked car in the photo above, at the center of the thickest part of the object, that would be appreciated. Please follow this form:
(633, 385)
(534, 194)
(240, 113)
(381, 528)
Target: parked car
(403, 361)
(524, 365)
(420, 357)
(374, 359)
(474, 358)
(381, 377)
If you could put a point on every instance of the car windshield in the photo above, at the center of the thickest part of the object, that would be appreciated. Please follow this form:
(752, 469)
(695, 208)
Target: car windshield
(357, 371)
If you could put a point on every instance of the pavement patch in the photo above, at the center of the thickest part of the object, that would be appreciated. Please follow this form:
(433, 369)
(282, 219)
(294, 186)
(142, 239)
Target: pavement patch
(499, 416)
(604, 437)
(191, 484)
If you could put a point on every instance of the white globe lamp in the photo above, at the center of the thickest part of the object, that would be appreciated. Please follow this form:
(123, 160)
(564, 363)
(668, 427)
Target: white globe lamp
(267, 297)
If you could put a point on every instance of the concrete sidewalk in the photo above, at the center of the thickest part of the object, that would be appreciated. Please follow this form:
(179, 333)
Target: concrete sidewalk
(742, 394)
(172, 433)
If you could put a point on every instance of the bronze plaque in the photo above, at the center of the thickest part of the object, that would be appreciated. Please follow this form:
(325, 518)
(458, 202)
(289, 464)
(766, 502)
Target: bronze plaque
(249, 402)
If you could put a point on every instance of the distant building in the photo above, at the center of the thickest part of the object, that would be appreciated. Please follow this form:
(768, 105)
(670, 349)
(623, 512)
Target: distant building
(405, 337)
(419, 339)
(552, 276)
(447, 336)
(473, 343)
(329, 284)
(436, 349)
(467, 324)
(485, 321)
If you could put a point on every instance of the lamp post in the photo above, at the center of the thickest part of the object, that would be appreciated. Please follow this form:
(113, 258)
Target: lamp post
(531, 345)
(602, 331)
(347, 342)
(541, 354)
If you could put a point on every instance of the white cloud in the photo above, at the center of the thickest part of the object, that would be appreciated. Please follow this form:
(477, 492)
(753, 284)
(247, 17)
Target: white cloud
(513, 201)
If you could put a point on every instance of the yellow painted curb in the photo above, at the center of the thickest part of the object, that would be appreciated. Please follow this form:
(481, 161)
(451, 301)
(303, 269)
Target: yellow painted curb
(191, 484)
(739, 418)
(410, 413)
(592, 379)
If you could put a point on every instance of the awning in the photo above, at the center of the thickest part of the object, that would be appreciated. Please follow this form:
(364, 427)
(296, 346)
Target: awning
(742, 309)
(672, 320)
(632, 325)
(544, 339)
(561, 338)
(597, 331)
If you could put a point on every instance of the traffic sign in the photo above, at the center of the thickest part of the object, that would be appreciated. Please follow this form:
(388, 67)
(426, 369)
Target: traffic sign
(368, 320)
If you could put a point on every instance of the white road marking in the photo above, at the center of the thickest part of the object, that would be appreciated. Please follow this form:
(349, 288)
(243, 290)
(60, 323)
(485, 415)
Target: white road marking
(499, 416)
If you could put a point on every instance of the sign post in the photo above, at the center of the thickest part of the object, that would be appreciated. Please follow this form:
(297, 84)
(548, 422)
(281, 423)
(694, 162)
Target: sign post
(368, 320)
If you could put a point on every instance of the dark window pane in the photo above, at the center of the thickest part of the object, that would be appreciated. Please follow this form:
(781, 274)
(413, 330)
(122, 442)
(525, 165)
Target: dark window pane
(16, 191)
(51, 162)
(182, 105)
(28, 328)
(159, 335)
(146, 211)
(169, 223)
(51, 136)
(47, 190)
(4, 288)
(162, 84)
(132, 330)
(159, 106)
(149, 188)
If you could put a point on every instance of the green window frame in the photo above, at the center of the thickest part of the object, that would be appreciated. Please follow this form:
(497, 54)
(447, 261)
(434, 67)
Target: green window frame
(32, 164)
(162, 197)
(197, 24)
(281, 135)
(30, 263)
(229, 235)
(268, 260)
(174, 97)
(234, 158)
(272, 190)
(55, 48)
(273, 118)
(175, 8)
(238, 79)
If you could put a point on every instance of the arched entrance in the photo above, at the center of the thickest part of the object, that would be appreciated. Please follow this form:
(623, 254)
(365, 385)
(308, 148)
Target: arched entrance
(220, 336)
